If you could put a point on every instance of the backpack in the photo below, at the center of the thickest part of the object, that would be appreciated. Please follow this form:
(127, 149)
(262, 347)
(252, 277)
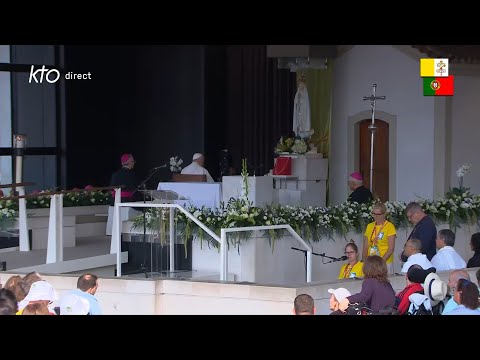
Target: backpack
(421, 305)
(359, 309)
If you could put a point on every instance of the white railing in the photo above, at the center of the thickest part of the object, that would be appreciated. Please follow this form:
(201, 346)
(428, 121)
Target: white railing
(117, 226)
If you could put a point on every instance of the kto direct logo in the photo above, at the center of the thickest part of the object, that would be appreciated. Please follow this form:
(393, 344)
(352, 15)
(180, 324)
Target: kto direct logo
(52, 75)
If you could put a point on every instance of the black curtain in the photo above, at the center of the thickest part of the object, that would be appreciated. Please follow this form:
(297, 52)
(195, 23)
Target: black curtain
(144, 100)
(259, 106)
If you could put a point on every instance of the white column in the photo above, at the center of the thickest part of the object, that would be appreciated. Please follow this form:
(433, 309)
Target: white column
(172, 239)
(113, 242)
(55, 230)
(309, 266)
(116, 234)
(24, 242)
(223, 255)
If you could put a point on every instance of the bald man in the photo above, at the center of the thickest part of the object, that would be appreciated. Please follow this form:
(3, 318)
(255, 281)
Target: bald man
(453, 278)
(196, 167)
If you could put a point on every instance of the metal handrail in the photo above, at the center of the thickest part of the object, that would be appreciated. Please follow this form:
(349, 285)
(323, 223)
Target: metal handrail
(117, 224)
(222, 239)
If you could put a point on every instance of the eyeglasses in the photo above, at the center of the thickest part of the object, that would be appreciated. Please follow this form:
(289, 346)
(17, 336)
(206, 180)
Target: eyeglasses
(411, 214)
(349, 252)
(377, 214)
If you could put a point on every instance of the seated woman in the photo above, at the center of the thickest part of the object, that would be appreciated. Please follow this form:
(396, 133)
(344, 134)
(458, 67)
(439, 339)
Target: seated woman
(353, 267)
(377, 293)
(466, 294)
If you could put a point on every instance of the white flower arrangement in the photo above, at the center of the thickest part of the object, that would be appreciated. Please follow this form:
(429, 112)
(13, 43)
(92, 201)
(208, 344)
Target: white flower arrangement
(175, 164)
(299, 147)
(462, 170)
(7, 217)
(457, 207)
(291, 145)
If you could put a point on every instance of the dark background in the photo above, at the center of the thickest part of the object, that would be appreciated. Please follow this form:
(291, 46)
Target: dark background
(159, 101)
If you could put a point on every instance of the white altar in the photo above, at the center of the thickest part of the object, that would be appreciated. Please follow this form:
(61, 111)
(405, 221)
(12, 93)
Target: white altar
(260, 189)
(307, 185)
(197, 194)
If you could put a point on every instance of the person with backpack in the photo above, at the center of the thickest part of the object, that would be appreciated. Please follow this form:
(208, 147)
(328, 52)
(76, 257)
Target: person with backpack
(431, 302)
(414, 278)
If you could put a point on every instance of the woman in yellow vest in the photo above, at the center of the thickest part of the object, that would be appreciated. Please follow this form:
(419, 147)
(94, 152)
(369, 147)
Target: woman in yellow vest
(379, 237)
(353, 268)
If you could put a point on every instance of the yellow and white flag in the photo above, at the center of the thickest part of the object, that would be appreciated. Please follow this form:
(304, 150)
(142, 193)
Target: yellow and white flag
(434, 67)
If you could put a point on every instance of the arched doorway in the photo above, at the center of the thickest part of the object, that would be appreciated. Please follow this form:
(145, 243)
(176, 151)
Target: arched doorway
(380, 157)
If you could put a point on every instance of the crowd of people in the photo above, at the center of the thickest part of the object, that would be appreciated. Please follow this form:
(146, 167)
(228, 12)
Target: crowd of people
(33, 295)
(425, 252)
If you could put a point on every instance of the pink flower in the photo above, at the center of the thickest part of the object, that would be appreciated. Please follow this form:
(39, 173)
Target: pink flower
(89, 187)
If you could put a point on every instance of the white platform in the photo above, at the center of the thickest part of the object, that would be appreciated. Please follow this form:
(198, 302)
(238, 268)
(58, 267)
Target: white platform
(260, 189)
(39, 231)
(197, 194)
(79, 221)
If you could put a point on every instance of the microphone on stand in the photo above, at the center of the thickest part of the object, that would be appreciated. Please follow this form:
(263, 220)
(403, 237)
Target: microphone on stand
(294, 248)
(159, 167)
(342, 258)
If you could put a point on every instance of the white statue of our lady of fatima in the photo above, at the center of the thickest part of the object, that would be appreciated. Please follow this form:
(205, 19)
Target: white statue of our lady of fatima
(301, 109)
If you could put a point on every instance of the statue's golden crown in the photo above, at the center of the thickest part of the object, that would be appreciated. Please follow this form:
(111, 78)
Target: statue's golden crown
(302, 78)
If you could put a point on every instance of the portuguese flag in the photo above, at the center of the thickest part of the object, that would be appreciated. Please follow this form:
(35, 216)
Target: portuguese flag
(438, 86)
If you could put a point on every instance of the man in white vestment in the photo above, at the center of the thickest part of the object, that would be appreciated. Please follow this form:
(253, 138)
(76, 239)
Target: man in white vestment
(196, 167)
(301, 111)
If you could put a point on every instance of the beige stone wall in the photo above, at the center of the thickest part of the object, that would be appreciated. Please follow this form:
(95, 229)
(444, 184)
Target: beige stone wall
(179, 297)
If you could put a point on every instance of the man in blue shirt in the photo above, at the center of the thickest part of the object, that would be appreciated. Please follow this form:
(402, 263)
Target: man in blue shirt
(87, 285)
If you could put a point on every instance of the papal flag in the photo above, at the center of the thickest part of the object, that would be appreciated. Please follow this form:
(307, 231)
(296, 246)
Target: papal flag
(438, 86)
(434, 67)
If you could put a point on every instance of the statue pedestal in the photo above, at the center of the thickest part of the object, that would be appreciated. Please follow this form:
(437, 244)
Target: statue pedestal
(307, 185)
(260, 189)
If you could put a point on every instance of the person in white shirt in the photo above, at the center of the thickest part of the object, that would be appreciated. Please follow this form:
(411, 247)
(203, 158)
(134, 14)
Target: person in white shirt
(446, 257)
(413, 251)
(196, 167)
